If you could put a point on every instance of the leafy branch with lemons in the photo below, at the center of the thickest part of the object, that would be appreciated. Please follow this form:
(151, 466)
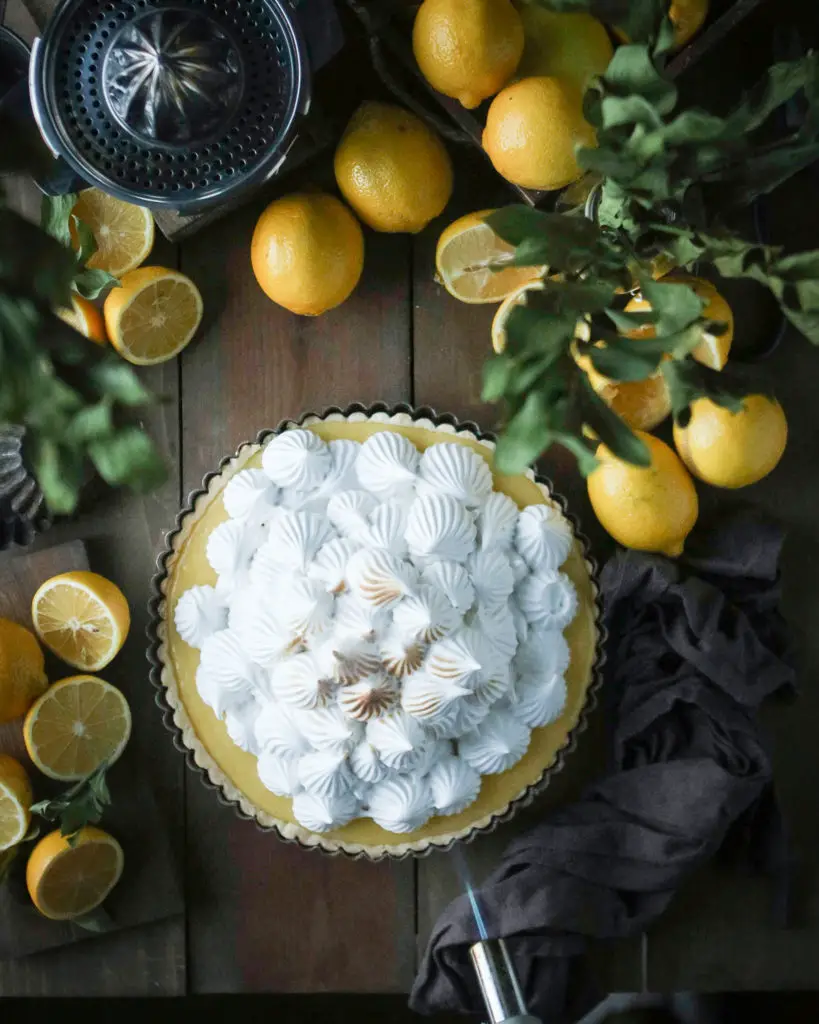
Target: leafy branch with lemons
(74, 396)
(582, 343)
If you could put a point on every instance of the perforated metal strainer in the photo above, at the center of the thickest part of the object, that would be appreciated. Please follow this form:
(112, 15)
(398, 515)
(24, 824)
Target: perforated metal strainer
(170, 103)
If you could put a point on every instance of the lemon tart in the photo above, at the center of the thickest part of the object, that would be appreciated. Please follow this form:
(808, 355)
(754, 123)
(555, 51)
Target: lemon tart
(369, 641)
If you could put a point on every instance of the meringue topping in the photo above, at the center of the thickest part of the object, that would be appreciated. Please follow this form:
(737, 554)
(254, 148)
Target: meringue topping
(439, 528)
(387, 463)
(384, 627)
(199, 613)
(543, 537)
(297, 459)
(455, 470)
(453, 785)
(400, 804)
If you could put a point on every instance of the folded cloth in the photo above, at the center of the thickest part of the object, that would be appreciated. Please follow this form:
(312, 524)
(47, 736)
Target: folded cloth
(694, 647)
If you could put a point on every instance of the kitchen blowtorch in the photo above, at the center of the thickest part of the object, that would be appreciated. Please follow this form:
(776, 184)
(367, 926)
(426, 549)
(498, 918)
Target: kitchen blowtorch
(499, 983)
(497, 979)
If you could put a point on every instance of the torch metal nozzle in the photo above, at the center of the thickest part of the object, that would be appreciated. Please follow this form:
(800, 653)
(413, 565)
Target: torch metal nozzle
(499, 983)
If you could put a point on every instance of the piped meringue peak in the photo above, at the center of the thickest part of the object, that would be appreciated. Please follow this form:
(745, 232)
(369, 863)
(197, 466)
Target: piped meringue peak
(384, 628)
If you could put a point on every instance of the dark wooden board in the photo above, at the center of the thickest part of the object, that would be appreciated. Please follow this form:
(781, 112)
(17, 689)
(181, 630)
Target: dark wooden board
(720, 932)
(149, 889)
(264, 916)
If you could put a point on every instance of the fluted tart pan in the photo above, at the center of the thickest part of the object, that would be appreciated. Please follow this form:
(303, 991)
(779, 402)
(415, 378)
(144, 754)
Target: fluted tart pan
(231, 772)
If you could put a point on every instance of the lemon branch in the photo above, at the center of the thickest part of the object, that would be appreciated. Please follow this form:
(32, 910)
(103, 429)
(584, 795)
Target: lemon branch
(666, 179)
(82, 804)
(74, 398)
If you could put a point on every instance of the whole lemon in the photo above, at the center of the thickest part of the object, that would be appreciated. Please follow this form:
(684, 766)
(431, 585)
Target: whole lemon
(650, 508)
(713, 350)
(22, 670)
(729, 449)
(467, 49)
(687, 17)
(307, 252)
(574, 47)
(392, 169)
(532, 129)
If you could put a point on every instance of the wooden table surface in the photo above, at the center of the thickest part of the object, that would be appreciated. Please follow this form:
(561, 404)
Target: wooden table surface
(262, 916)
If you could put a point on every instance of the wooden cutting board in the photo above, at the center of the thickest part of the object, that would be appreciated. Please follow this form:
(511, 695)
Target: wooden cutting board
(149, 889)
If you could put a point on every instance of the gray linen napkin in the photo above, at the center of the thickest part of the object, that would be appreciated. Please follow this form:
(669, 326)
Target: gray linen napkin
(695, 646)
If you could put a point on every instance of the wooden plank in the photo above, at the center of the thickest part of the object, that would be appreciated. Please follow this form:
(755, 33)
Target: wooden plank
(264, 916)
(451, 343)
(720, 932)
(122, 535)
(149, 890)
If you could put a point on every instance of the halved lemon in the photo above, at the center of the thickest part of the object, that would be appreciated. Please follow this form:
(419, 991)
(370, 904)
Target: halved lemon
(713, 349)
(75, 726)
(68, 879)
(124, 233)
(517, 298)
(85, 318)
(465, 255)
(82, 617)
(153, 315)
(15, 802)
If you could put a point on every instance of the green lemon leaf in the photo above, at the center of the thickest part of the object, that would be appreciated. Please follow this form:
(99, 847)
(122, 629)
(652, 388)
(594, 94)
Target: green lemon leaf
(573, 297)
(676, 305)
(780, 83)
(694, 127)
(625, 322)
(621, 166)
(632, 71)
(623, 359)
(113, 377)
(617, 111)
(805, 321)
(59, 472)
(532, 252)
(86, 241)
(526, 436)
(497, 374)
(688, 380)
(55, 216)
(568, 6)
(19, 319)
(92, 283)
(799, 266)
(32, 263)
(581, 448)
(129, 458)
(610, 429)
(531, 330)
(560, 242)
(91, 423)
